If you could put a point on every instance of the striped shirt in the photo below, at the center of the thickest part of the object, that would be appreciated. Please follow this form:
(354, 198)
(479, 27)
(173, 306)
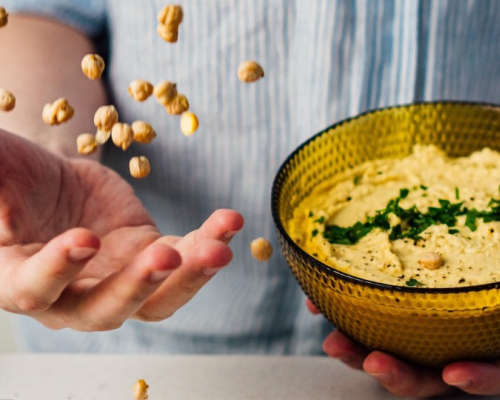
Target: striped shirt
(325, 60)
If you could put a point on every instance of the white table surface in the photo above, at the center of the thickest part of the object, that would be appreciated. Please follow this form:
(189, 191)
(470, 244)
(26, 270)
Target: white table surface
(109, 377)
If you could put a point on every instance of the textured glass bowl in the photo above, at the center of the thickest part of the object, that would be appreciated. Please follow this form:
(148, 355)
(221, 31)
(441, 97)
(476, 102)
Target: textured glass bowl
(430, 327)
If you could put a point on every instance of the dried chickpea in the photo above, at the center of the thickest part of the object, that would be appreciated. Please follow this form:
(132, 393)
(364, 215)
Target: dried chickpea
(140, 390)
(4, 17)
(122, 135)
(93, 66)
(7, 100)
(189, 123)
(139, 167)
(165, 92)
(104, 119)
(140, 90)
(261, 249)
(143, 132)
(58, 112)
(169, 18)
(86, 143)
(250, 71)
(178, 105)
(431, 261)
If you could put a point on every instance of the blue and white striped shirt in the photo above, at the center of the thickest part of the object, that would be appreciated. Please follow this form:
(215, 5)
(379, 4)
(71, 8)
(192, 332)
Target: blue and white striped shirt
(325, 60)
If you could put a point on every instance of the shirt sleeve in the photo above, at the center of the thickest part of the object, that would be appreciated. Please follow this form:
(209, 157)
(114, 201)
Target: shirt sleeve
(88, 16)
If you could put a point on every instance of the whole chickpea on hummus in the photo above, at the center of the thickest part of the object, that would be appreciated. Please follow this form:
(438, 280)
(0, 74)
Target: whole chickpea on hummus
(424, 220)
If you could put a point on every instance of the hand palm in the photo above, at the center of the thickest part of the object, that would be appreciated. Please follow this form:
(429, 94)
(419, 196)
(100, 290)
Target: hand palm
(46, 195)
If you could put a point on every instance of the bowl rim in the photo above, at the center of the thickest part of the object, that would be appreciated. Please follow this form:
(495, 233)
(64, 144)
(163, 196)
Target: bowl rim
(276, 189)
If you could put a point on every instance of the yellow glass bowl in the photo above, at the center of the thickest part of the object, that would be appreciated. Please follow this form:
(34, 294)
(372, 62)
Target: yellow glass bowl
(427, 326)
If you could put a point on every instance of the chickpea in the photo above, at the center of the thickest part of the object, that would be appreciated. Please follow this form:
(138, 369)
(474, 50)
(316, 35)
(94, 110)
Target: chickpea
(86, 143)
(139, 167)
(104, 119)
(250, 71)
(4, 17)
(140, 390)
(122, 135)
(261, 249)
(140, 90)
(7, 100)
(189, 123)
(169, 18)
(178, 105)
(143, 132)
(431, 261)
(58, 112)
(93, 66)
(165, 92)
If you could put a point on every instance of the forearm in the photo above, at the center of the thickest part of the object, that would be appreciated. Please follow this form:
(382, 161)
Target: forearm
(41, 63)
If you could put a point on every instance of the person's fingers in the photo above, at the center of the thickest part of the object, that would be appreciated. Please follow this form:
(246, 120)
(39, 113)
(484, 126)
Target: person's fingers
(117, 297)
(402, 379)
(38, 281)
(338, 346)
(311, 307)
(222, 225)
(473, 377)
(198, 267)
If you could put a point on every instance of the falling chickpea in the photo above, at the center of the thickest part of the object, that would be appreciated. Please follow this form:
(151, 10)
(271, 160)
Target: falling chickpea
(189, 123)
(58, 112)
(165, 92)
(261, 249)
(139, 167)
(4, 17)
(122, 135)
(7, 100)
(169, 18)
(140, 390)
(431, 261)
(250, 71)
(86, 143)
(93, 66)
(104, 119)
(178, 105)
(143, 132)
(140, 90)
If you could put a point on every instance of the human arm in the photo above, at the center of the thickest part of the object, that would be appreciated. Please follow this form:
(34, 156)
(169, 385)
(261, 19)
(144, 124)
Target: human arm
(403, 379)
(41, 63)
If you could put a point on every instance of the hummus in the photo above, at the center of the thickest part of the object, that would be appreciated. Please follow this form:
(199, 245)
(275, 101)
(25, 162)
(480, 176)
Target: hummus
(382, 220)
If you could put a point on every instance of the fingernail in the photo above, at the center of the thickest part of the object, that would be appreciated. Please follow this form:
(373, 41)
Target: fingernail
(211, 271)
(229, 235)
(78, 254)
(158, 276)
(461, 385)
(385, 377)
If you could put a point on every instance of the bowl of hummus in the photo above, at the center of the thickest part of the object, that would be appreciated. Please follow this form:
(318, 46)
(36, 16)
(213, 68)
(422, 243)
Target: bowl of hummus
(390, 222)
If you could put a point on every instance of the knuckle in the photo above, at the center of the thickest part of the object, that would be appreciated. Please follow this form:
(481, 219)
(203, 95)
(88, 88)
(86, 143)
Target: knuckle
(29, 304)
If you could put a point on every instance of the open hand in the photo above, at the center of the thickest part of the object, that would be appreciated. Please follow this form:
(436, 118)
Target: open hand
(78, 249)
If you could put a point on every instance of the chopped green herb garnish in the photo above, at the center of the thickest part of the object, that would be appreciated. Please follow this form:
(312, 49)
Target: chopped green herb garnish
(403, 193)
(423, 187)
(356, 180)
(413, 221)
(314, 232)
(311, 214)
(457, 193)
(320, 220)
(379, 172)
(470, 220)
(413, 282)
